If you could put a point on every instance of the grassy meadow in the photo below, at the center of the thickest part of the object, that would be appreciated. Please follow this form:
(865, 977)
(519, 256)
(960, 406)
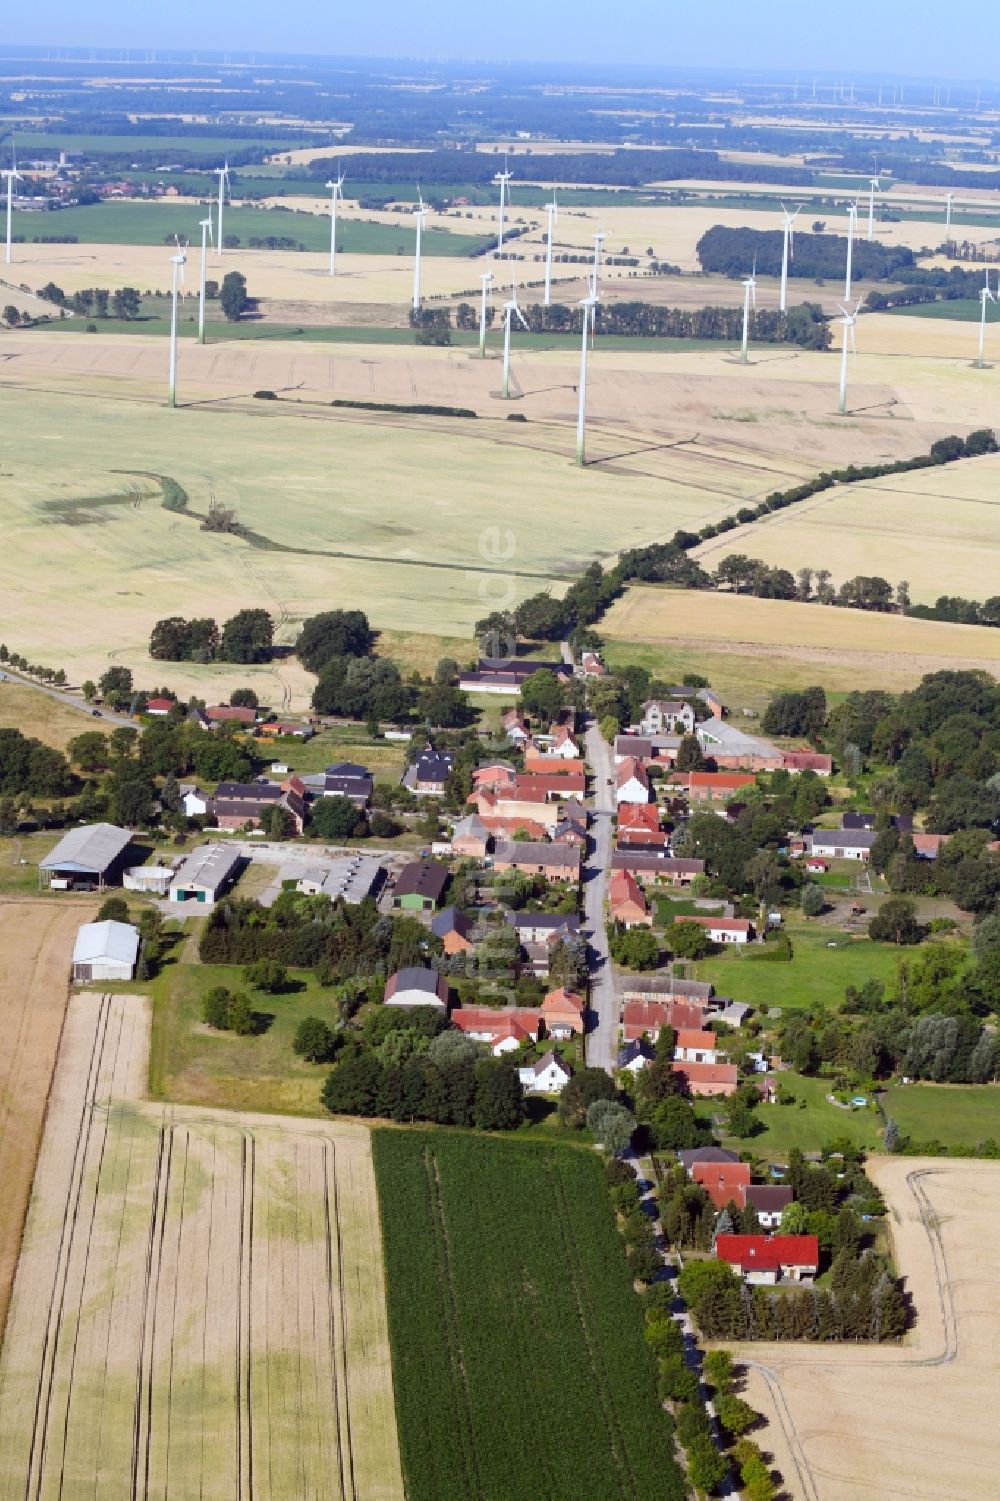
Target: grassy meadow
(816, 975)
(512, 1317)
(157, 223)
(956, 1115)
(810, 1122)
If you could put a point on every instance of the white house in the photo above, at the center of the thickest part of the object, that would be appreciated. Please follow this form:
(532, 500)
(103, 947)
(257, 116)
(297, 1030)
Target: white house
(105, 951)
(193, 800)
(667, 716)
(843, 844)
(634, 1056)
(549, 1075)
(722, 929)
(694, 1046)
(632, 784)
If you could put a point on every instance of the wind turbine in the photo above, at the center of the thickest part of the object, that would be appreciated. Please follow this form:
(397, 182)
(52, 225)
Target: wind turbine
(787, 250)
(852, 229)
(510, 310)
(419, 215)
(550, 209)
(12, 175)
(503, 178)
(947, 213)
(986, 295)
(205, 226)
(749, 291)
(873, 187)
(336, 186)
(589, 306)
(222, 173)
(177, 262)
(848, 321)
(486, 277)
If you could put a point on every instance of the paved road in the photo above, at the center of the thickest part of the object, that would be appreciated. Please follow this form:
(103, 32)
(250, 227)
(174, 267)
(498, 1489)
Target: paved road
(602, 1042)
(105, 716)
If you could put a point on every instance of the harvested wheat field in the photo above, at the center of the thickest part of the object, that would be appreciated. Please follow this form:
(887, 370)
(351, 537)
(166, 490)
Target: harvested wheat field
(797, 643)
(199, 1308)
(937, 528)
(36, 941)
(913, 1423)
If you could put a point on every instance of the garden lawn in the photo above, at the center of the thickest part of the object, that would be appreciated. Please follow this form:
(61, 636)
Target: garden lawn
(956, 1115)
(192, 1065)
(815, 976)
(809, 1126)
(519, 1363)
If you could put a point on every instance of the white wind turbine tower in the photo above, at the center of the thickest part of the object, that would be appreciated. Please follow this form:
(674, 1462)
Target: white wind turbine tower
(852, 230)
(336, 186)
(947, 213)
(503, 178)
(486, 277)
(749, 291)
(986, 295)
(848, 321)
(550, 209)
(12, 175)
(419, 215)
(874, 187)
(787, 250)
(511, 310)
(177, 262)
(222, 173)
(589, 306)
(205, 225)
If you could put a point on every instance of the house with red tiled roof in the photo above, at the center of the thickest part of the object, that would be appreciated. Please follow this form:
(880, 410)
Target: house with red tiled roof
(631, 782)
(563, 1012)
(724, 1182)
(770, 1258)
(695, 1045)
(645, 1018)
(493, 775)
(707, 1080)
(505, 1030)
(159, 706)
(626, 902)
(711, 786)
(796, 761)
(722, 929)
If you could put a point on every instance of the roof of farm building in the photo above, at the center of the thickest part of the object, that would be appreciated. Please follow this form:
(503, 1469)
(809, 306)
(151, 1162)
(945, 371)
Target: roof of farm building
(208, 865)
(118, 941)
(91, 848)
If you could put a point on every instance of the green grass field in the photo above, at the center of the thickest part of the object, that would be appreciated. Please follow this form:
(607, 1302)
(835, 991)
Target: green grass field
(815, 976)
(956, 1115)
(810, 1123)
(518, 1354)
(958, 309)
(157, 223)
(173, 148)
(190, 1064)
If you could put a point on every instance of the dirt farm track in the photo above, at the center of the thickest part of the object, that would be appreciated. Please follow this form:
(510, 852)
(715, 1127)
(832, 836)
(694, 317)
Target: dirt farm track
(36, 940)
(199, 1307)
(917, 1423)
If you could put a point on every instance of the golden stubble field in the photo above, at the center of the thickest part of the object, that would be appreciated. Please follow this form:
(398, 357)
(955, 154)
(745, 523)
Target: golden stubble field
(199, 1307)
(740, 640)
(912, 1423)
(36, 942)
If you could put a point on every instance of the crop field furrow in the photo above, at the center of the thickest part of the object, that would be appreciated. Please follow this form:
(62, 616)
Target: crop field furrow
(191, 1269)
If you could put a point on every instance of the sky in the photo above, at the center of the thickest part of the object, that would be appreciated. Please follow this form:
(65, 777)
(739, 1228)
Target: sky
(798, 35)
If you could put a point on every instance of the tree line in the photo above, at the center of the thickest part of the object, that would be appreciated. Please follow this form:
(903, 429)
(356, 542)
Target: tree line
(732, 252)
(247, 636)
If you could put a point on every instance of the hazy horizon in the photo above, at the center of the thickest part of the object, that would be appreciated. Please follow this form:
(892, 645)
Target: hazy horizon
(774, 36)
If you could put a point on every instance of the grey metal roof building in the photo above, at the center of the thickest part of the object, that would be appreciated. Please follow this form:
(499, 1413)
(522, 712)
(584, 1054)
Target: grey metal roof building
(205, 874)
(105, 951)
(92, 852)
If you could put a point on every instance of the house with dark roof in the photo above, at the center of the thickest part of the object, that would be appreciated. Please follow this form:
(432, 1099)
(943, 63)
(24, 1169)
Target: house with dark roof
(416, 986)
(691, 1156)
(454, 930)
(842, 844)
(770, 1200)
(420, 886)
(557, 862)
(428, 774)
(634, 1056)
(348, 779)
(549, 1075)
(539, 927)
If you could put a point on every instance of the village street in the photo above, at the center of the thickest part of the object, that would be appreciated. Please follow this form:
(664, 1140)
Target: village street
(602, 1047)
